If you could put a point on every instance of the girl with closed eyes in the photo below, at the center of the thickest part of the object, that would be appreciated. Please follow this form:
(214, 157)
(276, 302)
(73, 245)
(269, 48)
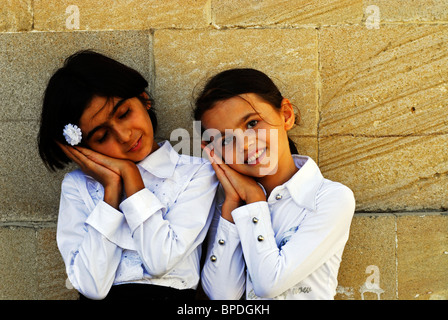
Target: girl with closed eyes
(133, 217)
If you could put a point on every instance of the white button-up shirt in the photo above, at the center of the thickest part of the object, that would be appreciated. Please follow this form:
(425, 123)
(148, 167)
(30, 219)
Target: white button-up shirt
(154, 238)
(288, 247)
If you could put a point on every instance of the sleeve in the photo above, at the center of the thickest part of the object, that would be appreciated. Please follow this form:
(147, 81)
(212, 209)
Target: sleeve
(163, 240)
(323, 233)
(223, 275)
(90, 257)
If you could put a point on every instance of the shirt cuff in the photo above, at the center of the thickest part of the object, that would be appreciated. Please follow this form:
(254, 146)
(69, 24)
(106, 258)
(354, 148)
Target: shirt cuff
(254, 225)
(105, 219)
(225, 243)
(228, 229)
(251, 211)
(139, 207)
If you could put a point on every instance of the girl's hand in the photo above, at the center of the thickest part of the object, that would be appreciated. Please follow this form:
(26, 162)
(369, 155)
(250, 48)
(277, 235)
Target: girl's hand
(110, 172)
(110, 179)
(231, 194)
(126, 169)
(238, 188)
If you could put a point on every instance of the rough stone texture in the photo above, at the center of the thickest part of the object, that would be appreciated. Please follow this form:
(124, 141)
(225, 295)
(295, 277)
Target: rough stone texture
(31, 267)
(411, 11)
(390, 81)
(121, 15)
(372, 243)
(422, 256)
(307, 146)
(384, 115)
(274, 13)
(16, 15)
(52, 280)
(22, 176)
(395, 173)
(17, 263)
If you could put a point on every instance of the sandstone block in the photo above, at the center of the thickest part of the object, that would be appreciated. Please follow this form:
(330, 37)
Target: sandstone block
(52, 280)
(422, 256)
(16, 15)
(383, 82)
(286, 13)
(31, 267)
(17, 263)
(393, 173)
(28, 190)
(306, 146)
(384, 114)
(411, 11)
(120, 15)
(368, 267)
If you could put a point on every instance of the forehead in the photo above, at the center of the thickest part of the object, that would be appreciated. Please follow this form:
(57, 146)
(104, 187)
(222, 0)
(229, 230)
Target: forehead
(97, 110)
(228, 113)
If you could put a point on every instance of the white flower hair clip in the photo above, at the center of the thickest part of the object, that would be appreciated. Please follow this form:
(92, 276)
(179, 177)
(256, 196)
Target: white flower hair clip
(72, 134)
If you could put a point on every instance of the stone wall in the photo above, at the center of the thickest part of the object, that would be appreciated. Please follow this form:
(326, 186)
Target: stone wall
(369, 78)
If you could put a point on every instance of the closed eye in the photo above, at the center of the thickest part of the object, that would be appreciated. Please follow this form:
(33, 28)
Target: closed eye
(103, 137)
(124, 115)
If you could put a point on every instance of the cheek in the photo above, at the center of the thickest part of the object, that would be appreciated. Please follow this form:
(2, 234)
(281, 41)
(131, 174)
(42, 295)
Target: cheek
(229, 157)
(108, 148)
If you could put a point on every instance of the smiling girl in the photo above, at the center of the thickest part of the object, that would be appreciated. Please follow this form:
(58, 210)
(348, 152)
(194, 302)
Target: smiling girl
(281, 228)
(133, 217)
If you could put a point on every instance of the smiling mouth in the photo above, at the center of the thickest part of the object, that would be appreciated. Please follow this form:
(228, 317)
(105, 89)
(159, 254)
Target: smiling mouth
(136, 146)
(254, 159)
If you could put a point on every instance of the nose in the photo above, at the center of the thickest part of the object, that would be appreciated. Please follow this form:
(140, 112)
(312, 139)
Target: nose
(123, 133)
(245, 140)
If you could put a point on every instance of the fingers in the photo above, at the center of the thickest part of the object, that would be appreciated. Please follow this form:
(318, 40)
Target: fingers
(235, 184)
(214, 158)
(229, 189)
(216, 162)
(81, 156)
(72, 154)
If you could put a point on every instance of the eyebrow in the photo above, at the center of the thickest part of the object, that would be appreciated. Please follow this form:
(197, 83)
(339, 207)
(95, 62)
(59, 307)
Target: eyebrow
(111, 114)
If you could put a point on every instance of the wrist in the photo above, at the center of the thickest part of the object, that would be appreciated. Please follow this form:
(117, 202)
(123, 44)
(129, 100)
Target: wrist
(228, 207)
(132, 178)
(112, 194)
(255, 195)
(126, 167)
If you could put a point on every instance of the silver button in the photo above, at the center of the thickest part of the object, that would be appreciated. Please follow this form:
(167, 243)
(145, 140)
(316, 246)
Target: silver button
(255, 220)
(260, 238)
(213, 258)
(221, 241)
(278, 197)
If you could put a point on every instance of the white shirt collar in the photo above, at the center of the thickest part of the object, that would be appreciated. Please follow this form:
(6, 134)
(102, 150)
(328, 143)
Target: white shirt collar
(304, 184)
(161, 162)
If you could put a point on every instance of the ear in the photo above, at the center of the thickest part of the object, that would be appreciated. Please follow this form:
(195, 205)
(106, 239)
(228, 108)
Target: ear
(145, 96)
(288, 114)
